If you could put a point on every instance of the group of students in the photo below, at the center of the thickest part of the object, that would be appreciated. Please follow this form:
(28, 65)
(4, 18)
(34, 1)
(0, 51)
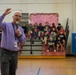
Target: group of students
(53, 36)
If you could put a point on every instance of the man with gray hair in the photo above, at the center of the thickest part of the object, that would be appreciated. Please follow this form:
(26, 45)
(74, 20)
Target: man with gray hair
(12, 36)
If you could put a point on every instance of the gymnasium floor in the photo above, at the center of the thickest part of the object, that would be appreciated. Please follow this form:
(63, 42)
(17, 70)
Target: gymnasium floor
(65, 66)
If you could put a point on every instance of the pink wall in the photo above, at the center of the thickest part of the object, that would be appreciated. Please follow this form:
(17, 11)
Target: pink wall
(44, 17)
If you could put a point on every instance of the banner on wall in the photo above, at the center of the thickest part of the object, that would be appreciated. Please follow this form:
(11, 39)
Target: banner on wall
(44, 17)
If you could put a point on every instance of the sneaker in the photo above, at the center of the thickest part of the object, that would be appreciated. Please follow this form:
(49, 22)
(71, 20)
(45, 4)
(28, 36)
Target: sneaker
(47, 50)
(54, 50)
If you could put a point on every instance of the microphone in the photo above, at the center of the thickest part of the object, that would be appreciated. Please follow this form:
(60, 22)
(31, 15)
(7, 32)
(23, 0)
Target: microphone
(17, 23)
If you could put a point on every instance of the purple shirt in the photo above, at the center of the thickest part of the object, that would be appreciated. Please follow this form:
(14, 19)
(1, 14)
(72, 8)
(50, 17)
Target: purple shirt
(8, 36)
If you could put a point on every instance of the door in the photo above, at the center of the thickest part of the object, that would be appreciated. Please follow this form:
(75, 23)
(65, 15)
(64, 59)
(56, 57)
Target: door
(74, 43)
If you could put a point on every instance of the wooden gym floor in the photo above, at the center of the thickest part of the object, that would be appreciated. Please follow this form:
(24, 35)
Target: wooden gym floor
(53, 66)
(65, 66)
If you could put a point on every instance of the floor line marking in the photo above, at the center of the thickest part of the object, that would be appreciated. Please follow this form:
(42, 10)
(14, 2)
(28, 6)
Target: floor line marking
(38, 71)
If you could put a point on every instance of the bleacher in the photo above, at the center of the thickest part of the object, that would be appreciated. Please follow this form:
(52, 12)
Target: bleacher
(32, 49)
(37, 49)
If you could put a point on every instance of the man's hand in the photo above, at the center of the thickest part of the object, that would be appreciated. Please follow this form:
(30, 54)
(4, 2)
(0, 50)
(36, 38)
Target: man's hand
(7, 11)
(18, 33)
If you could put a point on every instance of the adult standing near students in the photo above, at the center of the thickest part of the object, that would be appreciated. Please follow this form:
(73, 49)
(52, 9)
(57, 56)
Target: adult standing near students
(12, 36)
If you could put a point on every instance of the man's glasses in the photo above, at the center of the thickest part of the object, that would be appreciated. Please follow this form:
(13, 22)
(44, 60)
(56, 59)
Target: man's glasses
(18, 16)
